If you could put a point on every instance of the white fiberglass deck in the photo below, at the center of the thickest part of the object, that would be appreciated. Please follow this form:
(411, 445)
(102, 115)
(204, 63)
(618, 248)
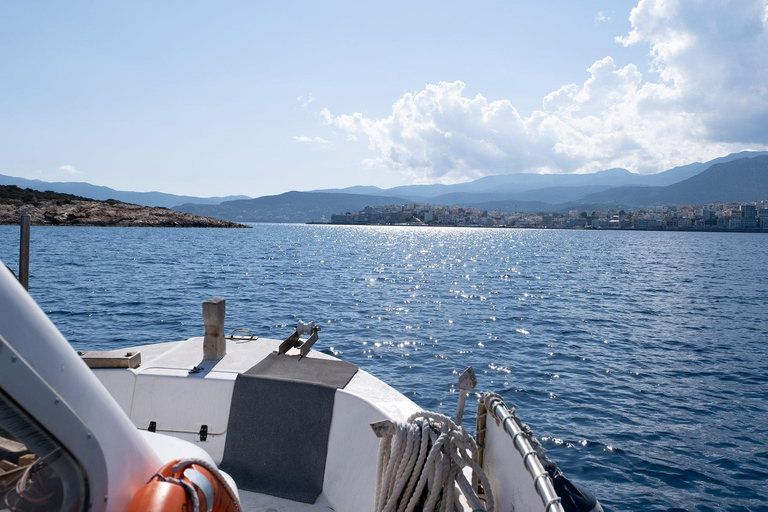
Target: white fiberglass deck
(163, 392)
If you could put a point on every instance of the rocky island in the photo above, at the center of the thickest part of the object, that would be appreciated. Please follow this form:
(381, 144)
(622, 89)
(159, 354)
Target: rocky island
(56, 209)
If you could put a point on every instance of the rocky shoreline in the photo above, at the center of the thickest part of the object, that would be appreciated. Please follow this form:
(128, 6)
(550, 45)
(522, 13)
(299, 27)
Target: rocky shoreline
(105, 213)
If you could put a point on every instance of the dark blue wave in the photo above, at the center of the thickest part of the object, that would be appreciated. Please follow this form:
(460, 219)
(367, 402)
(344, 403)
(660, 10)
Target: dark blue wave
(640, 359)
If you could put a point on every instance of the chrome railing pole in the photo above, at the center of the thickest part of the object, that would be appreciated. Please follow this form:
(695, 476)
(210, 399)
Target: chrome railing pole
(541, 479)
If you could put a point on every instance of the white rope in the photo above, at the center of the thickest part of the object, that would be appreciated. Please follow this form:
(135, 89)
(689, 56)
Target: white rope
(423, 461)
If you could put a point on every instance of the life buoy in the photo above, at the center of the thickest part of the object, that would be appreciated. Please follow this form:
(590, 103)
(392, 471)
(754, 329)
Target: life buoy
(185, 486)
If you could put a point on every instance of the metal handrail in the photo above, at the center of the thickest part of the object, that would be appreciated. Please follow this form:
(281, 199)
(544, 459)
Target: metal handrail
(541, 479)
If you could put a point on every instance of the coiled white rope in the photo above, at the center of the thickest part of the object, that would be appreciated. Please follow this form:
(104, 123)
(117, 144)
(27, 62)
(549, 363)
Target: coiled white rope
(421, 463)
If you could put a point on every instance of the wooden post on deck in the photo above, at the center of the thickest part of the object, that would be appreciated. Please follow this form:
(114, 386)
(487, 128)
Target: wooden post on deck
(214, 344)
(24, 252)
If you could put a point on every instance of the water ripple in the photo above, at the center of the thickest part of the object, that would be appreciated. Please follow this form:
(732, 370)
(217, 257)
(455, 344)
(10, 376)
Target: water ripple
(639, 358)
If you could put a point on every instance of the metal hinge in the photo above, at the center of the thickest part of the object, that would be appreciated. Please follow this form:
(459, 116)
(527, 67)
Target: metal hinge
(203, 433)
(152, 426)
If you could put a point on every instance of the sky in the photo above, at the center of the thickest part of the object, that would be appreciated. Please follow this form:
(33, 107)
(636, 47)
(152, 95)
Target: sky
(256, 98)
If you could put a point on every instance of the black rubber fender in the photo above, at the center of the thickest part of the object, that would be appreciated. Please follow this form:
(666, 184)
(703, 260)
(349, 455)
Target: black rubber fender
(574, 499)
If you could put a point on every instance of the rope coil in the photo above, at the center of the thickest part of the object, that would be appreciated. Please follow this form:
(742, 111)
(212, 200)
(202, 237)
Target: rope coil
(421, 464)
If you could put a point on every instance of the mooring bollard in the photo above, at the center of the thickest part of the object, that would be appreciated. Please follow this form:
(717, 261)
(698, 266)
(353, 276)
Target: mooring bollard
(24, 252)
(214, 344)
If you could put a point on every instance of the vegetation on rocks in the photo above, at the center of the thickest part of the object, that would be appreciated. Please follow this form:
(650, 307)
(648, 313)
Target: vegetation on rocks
(55, 209)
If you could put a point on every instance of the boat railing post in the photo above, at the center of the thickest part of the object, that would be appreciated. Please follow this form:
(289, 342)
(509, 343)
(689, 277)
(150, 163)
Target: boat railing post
(24, 252)
(214, 344)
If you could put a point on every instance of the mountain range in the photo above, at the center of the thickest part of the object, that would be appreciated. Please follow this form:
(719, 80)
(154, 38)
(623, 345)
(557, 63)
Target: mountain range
(736, 177)
(546, 188)
(289, 207)
(101, 193)
(742, 180)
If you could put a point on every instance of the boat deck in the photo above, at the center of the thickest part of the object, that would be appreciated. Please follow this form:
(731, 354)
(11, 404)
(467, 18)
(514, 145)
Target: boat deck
(175, 393)
(257, 502)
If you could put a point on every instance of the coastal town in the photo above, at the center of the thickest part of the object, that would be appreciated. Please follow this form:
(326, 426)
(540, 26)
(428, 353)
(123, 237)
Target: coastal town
(719, 216)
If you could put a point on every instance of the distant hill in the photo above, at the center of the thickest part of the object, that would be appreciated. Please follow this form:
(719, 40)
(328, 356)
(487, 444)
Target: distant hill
(523, 192)
(541, 196)
(103, 193)
(290, 207)
(11, 194)
(511, 186)
(591, 191)
(683, 172)
(56, 209)
(743, 180)
(546, 188)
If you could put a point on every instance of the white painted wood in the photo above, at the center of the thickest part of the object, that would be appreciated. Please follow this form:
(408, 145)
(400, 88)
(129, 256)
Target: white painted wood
(350, 467)
(120, 384)
(350, 471)
(186, 355)
(391, 402)
(512, 485)
(169, 448)
(180, 403)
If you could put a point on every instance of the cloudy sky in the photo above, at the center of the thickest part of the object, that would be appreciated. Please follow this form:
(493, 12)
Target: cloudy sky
(215, 98)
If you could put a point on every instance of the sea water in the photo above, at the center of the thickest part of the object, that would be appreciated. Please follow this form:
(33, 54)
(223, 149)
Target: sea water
(639, 359)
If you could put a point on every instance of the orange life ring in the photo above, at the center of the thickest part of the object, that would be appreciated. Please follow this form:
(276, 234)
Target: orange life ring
(176, 485)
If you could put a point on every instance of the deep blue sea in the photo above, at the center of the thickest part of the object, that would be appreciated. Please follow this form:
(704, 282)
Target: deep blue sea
(639, 358)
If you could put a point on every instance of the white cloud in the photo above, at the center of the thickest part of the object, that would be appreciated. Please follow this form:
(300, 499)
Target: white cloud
(601, 18)
(69, 169)
(715, 55)
(317, 140)
(711, 99)
(306, 100)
